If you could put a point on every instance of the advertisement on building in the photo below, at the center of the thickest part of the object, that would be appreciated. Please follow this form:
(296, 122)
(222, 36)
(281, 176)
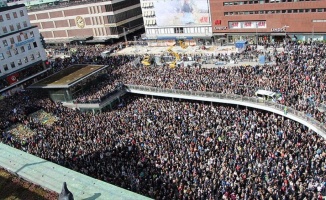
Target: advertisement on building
(182, 12)
(247, 24)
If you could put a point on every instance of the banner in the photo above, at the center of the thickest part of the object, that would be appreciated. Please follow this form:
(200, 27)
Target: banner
(182, 12)
(13, 78)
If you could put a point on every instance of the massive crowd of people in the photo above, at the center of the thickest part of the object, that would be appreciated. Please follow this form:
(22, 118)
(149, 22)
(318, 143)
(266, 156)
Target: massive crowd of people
(169, 149)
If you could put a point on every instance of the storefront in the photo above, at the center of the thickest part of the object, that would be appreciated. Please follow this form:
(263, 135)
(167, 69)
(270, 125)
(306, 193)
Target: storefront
(251, 38)
(189, 41)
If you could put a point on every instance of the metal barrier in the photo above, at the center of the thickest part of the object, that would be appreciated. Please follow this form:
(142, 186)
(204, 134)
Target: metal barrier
(251, 100)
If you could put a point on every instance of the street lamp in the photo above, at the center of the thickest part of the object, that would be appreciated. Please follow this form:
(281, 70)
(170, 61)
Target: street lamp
(256, 35)
(125, 34)
(285, 27)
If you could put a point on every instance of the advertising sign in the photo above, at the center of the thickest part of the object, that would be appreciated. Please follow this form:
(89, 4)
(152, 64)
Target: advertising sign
(247, 25)
(182, 12)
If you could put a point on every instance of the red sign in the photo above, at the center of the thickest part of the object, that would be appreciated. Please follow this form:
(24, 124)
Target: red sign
(261, 23)
(204, 20)
(12, 78)
(218, 22)
(247, 24)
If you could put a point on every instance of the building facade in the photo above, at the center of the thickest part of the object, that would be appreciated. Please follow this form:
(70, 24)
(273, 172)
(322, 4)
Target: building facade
(98, 21)
(20, 45)
(268, 20)
(168, 21)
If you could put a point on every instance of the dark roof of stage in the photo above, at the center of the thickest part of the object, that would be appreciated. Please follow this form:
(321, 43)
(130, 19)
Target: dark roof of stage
(68, 77)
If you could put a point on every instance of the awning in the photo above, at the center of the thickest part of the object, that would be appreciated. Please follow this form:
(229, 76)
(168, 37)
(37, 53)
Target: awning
(82, 38)
(278, 34)
(57, 41)
(95, 40)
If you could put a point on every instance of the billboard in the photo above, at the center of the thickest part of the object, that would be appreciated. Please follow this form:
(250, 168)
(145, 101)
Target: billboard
(182, 12)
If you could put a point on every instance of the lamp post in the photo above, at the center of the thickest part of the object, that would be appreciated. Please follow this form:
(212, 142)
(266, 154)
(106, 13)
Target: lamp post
(256, 35)
(285, 27)
(125, 34)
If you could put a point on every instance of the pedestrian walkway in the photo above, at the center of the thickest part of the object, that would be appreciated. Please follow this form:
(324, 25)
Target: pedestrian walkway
(51, 176)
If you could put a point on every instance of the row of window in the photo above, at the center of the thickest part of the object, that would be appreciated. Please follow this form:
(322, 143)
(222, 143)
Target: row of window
(26, 59)
(187, 30)
(18, 37)
(275, 11)
(15, 50)
(235, 3)
(14, 15)
(12, 28)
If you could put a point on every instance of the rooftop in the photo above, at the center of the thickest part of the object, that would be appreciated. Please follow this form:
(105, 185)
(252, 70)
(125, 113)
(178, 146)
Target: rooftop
(69, 76)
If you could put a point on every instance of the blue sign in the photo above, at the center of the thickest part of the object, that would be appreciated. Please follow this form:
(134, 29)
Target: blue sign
(24, 42)
(261, 59)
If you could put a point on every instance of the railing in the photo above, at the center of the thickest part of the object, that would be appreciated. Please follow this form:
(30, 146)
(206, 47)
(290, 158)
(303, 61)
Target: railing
(238, 98)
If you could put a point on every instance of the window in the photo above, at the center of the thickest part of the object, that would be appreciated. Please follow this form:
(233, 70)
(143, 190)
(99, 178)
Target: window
(34, 44)
(32, 57)
(18, 26)
(21, 13)
(5, 67)
(19, 62)
(5, 43)
(12, 41)
(26, 59)
(4, 29)
(15, 51)
(8, 53)
(1, 18)
(12, 64)
(1, 56)
(11, 27)
(38, 55)
(29, 47)
(22, 49)
(313, 10)
(8, 16)
(14, 14)
(31, 34)
(301, 11)
(295, 11)
(307, 10)
(320, 10)
(25, 36)
(19, 38)
(25, 24)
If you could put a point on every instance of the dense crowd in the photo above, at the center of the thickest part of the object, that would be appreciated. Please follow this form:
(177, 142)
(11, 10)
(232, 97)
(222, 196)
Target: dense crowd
(300, 80)
(177, 149)
(169, 149)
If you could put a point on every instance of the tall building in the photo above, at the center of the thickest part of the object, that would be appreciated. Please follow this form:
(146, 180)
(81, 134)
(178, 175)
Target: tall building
(84, 21)
(268, 20)
(171, 20)
(21, 50)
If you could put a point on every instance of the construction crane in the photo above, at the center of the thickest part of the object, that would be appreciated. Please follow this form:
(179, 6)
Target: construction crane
(183, 44)
(146, 60)
(176, 55)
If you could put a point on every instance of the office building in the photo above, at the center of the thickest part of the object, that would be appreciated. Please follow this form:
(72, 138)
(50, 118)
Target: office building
(21, 49)
(268, 20)
(84, 21)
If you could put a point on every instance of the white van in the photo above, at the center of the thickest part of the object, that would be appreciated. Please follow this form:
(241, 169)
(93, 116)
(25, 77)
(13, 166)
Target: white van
(266, 95)
(105, 54)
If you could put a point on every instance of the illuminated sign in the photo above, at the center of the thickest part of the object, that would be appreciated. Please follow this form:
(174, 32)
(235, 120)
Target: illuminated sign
(247, 25)
(283, 29)
(220, 28)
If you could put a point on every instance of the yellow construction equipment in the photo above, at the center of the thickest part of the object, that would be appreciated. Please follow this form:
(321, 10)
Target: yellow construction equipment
(176, 55)
(146, 61)
(183, 44)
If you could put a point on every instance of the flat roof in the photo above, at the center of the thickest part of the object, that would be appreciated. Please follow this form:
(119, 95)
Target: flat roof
(69, 76)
